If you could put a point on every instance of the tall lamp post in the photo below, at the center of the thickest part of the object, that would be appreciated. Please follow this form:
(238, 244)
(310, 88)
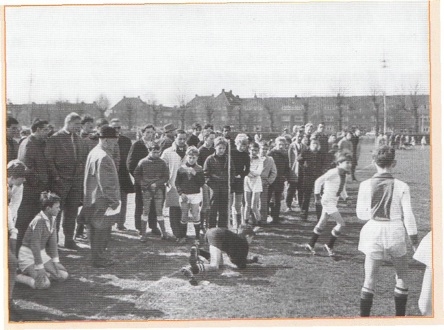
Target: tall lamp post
(384, 66)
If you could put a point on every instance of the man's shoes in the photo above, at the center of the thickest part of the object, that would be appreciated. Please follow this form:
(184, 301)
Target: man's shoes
(122, 228)
(81, 236)
(194, 256)
(309, 248)
(71, 245)
(143, 238)
(288, 209)
(156, 232)
(103, 264)
(329, 250)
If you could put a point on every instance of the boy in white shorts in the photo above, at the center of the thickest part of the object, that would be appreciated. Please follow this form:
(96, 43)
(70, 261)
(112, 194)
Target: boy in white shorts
(385, 202)
(333, 182)
(253, 185)
(189, 181)
(38, 257)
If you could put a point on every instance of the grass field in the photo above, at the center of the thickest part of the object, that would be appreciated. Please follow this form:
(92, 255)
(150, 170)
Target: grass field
(288, 282)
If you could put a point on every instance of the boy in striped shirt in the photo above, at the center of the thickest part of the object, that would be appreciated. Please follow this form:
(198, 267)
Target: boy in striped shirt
(384, 202)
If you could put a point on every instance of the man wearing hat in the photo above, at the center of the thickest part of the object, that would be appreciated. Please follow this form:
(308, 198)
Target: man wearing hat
(193, 140)
(167, 139)
(101, 201)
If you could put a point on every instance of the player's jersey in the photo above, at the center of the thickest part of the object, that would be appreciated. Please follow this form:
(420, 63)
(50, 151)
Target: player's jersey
(233, 245)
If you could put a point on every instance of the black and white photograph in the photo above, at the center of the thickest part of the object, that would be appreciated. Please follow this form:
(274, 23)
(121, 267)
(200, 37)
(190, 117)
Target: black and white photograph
(219, 162)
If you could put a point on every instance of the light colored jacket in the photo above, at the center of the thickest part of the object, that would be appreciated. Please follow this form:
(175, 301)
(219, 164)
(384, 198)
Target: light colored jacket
(101, 183)
(293, 153)
(174, 162)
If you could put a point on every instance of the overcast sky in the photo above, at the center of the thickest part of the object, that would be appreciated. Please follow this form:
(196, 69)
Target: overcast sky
(162, 51)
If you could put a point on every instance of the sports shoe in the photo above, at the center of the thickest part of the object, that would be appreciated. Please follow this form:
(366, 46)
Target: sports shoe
(71, 245)
(122, 228)
(288, 209)
(143, 238)
(309, 248)
(330, 251)
(156, 232)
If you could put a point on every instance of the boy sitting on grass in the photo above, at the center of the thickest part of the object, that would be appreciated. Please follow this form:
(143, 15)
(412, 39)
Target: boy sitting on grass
(38, 257)
(333, 182)
(221, 240)
(152, 174)
(189, 180)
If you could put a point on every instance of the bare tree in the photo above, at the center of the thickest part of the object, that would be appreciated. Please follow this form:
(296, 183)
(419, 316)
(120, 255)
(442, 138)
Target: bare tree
(183, 109)
(102, 104)
(339, 107)
(376, 107)
(268, 106)
(415, 106)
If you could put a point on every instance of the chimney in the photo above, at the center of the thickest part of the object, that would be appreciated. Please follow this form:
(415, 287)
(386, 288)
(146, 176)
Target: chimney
(124, 96)
(138, 96)
(212, 95)
(223, 90)
(231, 91)
(295, 96)
(196, 95)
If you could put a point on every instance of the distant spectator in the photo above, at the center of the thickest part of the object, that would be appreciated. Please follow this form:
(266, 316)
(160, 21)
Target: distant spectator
(193, 140)
(167, 139)
(12, 133)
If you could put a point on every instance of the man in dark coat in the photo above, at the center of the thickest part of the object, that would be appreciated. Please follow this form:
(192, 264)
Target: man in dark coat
(126, 185)
(12, 131)
(31, 153)
(138, 151)
(167, 139)
(66, 168)
(193, 140)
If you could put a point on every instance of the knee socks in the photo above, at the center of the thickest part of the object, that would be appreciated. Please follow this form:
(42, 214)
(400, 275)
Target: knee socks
(366, 301)
(400, 300)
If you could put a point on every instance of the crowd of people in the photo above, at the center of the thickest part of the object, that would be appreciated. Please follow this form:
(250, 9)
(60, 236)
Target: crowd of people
(225, 186)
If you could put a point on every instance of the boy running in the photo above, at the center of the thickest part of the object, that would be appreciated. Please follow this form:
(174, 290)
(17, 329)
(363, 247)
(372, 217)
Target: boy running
(385, 202)
(334, 187)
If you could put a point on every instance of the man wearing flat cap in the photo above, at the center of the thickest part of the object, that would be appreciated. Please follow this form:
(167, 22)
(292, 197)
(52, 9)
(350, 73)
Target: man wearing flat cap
(101, 195)
(167, 139)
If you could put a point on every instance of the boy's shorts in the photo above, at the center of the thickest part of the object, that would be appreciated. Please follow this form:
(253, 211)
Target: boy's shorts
(26, 257)
(193, 198)
(330, 205)
(253, 185)
(381, 239)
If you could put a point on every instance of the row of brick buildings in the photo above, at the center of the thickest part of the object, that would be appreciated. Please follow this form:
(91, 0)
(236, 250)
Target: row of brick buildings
(248, 114)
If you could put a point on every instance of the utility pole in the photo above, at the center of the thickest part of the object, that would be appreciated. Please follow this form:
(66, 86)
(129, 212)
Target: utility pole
(384, 66)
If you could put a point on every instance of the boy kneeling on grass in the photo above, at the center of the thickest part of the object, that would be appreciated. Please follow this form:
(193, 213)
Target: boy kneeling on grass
(221, 240)
(385, 202)
(38, 257)
(189, 180)
(333, 182)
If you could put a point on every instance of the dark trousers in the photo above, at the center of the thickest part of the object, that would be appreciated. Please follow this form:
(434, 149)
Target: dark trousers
(293, 187)
(122, 214)
(99, 238)
(29, 208)
(275, 191)
(69, 206)
(138, 210)
(353, 167)
(265, 206)
(219, 206)
(179, 229)
(307, 191)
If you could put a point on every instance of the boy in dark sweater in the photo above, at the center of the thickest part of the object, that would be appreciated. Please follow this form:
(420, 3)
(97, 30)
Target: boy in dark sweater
(241, 161)
(221, 240)
(206, 150)
(190, 178)
(216, 170)
(311, 163)
(152, 174)
(280, 157)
